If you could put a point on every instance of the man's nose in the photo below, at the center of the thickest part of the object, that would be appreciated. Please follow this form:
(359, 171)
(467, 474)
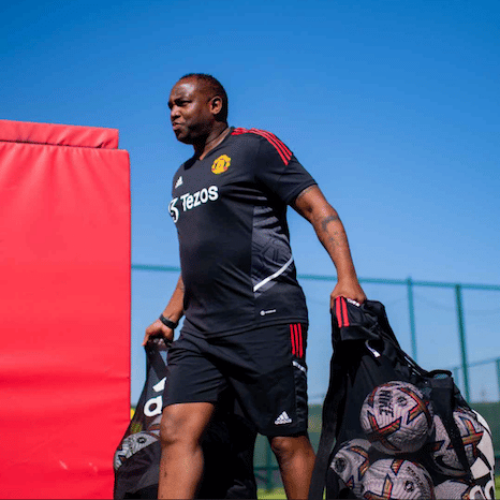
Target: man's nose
(174, 113)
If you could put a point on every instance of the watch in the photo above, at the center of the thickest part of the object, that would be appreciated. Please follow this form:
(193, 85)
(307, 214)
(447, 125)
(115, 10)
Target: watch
(168, 322)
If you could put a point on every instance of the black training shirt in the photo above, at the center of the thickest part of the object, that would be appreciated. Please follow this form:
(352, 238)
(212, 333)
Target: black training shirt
(230, 214)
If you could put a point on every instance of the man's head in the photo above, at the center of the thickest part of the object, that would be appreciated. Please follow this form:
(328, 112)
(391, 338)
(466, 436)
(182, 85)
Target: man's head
(198, 106)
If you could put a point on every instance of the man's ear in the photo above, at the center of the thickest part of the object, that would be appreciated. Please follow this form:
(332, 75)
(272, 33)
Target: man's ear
(215, 105)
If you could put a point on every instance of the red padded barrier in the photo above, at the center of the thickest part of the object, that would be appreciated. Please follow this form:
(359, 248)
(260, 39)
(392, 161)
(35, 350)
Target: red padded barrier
(58, 135)
(65, 313)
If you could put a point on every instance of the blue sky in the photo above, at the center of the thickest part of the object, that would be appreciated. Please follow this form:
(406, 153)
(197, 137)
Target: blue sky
(393, 106)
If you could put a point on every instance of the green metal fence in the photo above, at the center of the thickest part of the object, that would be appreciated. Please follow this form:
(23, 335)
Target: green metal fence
(410, 285)
(487, 369)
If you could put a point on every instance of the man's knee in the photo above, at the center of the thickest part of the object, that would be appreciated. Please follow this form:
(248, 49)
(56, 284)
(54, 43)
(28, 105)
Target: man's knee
(170, 429)
(184, 423)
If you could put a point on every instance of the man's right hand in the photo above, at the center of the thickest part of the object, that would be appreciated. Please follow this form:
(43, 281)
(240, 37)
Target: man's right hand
(158, 329)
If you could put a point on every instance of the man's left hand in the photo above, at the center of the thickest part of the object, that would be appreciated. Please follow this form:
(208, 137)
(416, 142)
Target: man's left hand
(350, 290)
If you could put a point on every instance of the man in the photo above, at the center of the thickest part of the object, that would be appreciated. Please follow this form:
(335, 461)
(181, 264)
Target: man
(245, 314)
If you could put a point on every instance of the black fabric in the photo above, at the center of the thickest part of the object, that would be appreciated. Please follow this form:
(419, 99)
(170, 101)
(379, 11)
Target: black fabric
(228, 445)
(230, 213)
(366, 354)
(263, 368)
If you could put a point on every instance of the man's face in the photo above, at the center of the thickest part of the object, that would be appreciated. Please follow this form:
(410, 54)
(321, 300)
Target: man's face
(189, 105)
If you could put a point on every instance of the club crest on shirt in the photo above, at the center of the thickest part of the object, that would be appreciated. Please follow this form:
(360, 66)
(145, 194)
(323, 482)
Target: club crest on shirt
(221, 164)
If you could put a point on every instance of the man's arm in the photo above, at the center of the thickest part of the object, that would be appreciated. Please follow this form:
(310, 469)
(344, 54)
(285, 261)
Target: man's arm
(173, 312)
(313, 206)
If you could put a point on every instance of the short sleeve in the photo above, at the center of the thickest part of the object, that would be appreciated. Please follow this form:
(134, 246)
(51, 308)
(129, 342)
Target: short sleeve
(280, 171)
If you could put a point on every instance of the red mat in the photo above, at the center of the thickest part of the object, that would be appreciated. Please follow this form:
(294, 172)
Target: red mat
(65, 309)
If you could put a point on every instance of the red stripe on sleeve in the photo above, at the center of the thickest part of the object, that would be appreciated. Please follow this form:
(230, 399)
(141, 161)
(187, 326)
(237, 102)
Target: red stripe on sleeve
(293, 339)
(272, 138)
(283, 151)
(238, 131)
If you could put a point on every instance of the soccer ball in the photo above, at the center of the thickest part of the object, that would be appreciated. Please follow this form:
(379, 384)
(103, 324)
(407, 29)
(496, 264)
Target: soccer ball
(483, 469)
(444, 457)
(391, 478)
(457, 488)
(131, 445)
(351, 463)
(154, 426)
(395, 418)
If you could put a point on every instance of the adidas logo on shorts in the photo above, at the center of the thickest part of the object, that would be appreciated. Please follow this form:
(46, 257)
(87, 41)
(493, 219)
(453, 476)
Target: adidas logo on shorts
(283, 419)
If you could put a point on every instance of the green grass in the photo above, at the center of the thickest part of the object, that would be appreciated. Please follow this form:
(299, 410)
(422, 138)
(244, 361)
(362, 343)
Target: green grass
(275, 493)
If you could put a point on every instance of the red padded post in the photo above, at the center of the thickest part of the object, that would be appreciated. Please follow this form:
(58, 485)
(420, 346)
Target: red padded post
(65, 309)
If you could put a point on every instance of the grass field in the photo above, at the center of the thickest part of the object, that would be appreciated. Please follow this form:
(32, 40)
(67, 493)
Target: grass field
(276, 493)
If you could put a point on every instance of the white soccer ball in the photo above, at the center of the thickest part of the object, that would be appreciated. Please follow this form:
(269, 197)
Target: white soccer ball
(483, 468)
(457, 488)
(154, 426)
(131, 445)
(396, 418)
(351, 463)
(444, 457)
(391, 478)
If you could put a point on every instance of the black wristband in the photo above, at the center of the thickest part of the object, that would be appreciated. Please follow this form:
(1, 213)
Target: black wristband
(168, 322)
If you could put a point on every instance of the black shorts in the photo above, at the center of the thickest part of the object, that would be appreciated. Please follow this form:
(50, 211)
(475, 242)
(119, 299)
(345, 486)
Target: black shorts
(266, 369)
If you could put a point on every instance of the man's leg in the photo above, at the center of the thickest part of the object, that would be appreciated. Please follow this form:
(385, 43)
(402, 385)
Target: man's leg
(181, 466)
(269, 375)
(295, 457)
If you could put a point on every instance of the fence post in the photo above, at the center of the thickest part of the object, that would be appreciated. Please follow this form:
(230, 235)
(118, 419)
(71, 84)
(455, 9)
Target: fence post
(412, 319)
(463, 347)
(498, 375)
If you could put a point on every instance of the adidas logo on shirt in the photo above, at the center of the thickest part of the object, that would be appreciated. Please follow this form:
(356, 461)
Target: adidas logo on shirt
(179, 182)
(283, 419)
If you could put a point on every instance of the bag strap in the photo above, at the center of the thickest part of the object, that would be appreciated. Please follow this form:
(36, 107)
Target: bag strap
(154, 359)
(336, 393)
(443, 403)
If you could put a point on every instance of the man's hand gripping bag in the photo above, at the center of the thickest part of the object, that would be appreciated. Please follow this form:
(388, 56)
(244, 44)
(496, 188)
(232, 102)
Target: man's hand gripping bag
(228, 444)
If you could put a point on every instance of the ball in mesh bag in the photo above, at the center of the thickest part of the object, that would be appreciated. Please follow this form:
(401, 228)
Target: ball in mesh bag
(391, 478)
(351, 462)
(154, 426)
(396, 418)
(131, 445)
(457, 488)
(440, 448)
(483, 469)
